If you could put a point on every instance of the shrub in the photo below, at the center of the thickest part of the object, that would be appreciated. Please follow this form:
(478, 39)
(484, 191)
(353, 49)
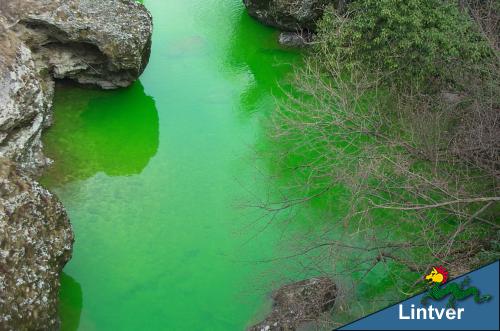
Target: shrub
(409, 39)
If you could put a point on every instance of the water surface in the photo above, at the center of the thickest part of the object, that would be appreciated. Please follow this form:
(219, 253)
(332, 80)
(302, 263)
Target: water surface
(152, 175)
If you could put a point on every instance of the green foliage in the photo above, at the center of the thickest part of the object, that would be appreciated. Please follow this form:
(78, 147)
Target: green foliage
(408, 39)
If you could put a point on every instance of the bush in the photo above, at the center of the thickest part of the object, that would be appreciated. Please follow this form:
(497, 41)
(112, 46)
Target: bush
(408, 39)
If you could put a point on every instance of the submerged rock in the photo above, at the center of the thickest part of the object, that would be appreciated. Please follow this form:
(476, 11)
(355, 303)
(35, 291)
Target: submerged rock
(298, 303)
(35, 243)
(288, 15)
(295, 39)
(105, 43)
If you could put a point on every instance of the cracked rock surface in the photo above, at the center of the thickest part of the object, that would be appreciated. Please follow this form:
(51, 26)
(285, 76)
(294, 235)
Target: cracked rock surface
(25, 102)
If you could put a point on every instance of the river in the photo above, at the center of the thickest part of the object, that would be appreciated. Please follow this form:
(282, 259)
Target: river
(153, 175)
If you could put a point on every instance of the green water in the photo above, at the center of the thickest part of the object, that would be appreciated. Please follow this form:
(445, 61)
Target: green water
(152, 177)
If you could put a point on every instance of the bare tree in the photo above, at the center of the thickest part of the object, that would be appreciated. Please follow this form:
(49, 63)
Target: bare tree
(416, 171)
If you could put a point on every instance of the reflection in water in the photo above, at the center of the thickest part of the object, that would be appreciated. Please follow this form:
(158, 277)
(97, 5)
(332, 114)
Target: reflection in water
(70, 304)
(115, 132)
(254, 48)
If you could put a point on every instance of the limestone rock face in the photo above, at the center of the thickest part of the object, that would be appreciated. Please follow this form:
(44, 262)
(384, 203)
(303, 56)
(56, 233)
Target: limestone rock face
(35, 243)
(105, 43)
(288, 15)
(298, 303)
(25, 102)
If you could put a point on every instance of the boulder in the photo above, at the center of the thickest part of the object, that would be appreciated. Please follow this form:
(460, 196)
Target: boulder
(35, 243)
(298, 303)
(287, 15)
(105, 43)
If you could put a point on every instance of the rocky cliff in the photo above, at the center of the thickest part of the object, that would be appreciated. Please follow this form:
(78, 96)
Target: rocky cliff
(104, 43)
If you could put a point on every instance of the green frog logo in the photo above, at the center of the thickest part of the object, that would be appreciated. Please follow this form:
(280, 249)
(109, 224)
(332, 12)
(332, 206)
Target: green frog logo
(457, 292)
